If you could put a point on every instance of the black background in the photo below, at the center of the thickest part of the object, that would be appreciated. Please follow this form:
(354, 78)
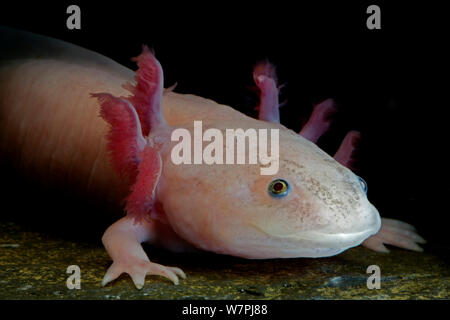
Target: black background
(390, 84)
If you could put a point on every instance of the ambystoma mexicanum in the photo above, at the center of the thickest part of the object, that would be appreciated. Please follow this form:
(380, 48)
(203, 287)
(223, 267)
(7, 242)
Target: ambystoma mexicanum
(51, 94)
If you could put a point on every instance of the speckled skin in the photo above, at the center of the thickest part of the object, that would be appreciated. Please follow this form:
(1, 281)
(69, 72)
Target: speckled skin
(325, 197)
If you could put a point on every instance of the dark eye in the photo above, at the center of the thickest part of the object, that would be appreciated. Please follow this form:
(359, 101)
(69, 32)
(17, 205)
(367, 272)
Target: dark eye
(363, 184)
(278, 188)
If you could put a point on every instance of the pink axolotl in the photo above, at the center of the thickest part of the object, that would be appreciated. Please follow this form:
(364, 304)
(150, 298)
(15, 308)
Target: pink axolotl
(51, 94)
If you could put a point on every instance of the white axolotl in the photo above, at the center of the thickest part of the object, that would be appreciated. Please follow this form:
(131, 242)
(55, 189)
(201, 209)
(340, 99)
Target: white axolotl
(51, 94)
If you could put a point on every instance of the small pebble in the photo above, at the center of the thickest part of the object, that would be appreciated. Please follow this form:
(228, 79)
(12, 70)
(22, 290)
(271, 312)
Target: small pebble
(26, 287)
(9, 245)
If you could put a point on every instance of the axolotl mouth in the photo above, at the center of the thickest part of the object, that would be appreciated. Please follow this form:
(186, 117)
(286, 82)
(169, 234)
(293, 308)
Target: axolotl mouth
(313, 243)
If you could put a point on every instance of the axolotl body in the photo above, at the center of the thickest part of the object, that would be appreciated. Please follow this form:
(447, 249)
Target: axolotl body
(51, 94)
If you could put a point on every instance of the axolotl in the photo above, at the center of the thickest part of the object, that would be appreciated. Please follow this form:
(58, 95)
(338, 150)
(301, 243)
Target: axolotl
(51, 96)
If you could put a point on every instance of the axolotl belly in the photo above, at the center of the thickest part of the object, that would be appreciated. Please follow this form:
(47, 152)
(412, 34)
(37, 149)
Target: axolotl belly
(310, 205)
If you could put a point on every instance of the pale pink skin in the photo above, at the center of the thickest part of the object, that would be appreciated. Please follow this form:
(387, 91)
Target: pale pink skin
(49, 122)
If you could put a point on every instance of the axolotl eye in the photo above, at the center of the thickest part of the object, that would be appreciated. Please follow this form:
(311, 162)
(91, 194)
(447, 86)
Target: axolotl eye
(363, 184)
(278, 188)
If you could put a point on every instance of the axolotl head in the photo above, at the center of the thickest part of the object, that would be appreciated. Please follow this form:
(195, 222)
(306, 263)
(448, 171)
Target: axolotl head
(312, 207)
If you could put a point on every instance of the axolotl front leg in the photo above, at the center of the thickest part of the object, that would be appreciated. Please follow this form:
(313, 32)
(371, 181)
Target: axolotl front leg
(137, 158)
(123, 241)
(392, 232)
